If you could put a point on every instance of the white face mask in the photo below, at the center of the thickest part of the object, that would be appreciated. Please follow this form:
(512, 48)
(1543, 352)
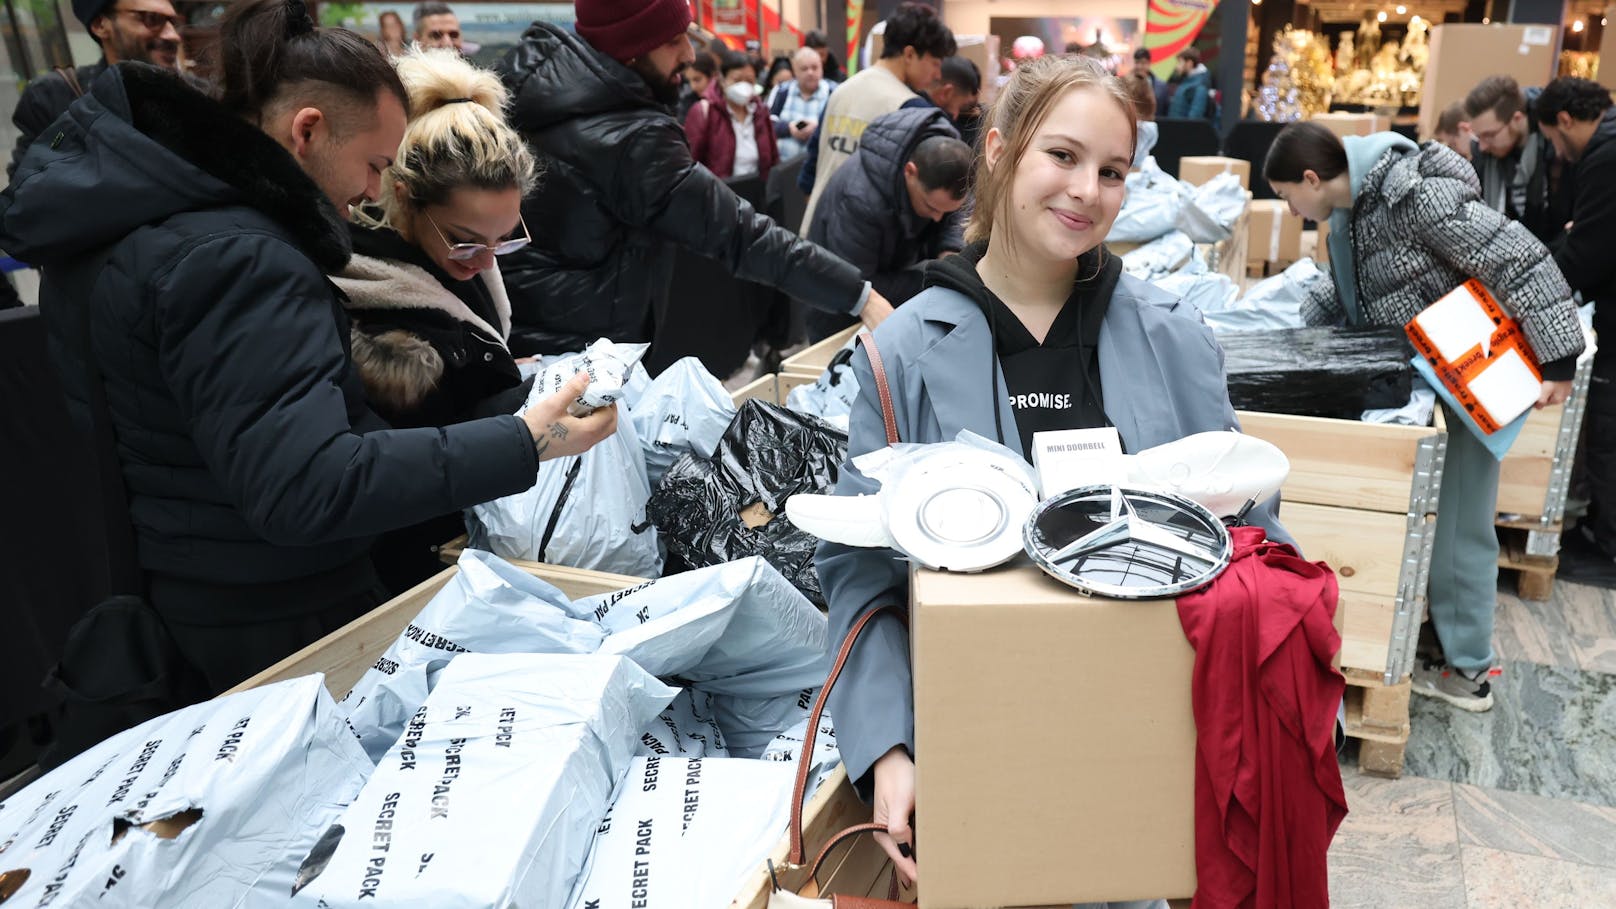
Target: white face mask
(740, 93)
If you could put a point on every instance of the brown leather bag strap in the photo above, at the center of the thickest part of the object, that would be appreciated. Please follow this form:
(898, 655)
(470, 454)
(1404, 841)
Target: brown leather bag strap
(838, 839)
(71, 77)
(805, 759)
(889, 415)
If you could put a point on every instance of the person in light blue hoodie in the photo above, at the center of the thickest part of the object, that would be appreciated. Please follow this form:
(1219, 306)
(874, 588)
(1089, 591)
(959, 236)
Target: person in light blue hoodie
(1407, 225)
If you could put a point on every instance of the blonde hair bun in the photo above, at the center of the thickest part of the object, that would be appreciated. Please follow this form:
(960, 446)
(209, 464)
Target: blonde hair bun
(437, 78)
(457, 136)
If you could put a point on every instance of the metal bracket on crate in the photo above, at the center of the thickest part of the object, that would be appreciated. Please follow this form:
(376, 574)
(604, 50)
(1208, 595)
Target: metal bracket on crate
(1546, 542)
(1415, 573)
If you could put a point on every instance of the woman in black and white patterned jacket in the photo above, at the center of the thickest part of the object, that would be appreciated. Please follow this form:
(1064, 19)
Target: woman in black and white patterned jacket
(1407, 225)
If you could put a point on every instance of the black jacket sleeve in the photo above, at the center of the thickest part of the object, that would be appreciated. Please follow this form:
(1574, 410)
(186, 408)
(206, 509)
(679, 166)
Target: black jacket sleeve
(1584, 252)
(670, 195)
(41, 103)
(271, 421)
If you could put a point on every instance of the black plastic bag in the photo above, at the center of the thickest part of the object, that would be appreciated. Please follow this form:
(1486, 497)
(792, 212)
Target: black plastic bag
(732, 505)
(1318, 372)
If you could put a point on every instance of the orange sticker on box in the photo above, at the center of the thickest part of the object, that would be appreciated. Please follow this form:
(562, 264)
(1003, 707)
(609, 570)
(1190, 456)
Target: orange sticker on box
(1479, 353)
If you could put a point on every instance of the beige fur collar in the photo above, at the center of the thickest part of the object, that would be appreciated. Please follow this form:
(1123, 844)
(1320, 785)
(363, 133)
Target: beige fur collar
(374, 284)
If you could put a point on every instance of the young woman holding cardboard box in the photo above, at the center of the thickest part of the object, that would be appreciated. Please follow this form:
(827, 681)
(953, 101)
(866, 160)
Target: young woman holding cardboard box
(1407, 225)
(1032, 327)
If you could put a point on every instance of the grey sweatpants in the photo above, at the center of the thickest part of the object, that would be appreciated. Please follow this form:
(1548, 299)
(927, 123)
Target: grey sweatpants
(1464, 558)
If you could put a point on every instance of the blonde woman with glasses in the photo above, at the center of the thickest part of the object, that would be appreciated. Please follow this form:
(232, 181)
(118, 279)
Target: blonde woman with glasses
(430, 317)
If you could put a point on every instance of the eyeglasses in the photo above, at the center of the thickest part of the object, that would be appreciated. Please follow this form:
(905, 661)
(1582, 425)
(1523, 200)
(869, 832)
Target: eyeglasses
(462, 252)
(154, 21)
(1487, 137)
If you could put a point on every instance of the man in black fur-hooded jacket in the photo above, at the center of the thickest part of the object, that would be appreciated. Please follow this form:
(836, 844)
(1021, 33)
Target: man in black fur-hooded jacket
(622, 191)
(197, 247)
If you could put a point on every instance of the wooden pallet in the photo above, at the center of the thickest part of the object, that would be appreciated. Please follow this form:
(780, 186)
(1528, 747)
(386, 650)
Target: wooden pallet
(1377, 716)
(1534, 575)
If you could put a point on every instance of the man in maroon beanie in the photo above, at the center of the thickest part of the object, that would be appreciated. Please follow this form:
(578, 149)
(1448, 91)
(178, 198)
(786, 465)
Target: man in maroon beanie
(622, 191)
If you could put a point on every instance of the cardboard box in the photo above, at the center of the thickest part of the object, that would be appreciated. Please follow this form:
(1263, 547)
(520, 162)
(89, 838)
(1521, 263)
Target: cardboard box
(1055, 743)
(1274, 235)
(1198, 169)
(1353, 124)
(1464, 54)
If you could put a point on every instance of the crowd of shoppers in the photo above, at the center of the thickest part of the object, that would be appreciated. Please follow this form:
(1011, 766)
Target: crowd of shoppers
(302, 306)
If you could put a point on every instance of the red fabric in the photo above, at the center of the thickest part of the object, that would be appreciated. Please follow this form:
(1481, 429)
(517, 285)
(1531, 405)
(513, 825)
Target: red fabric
(712, 138)
(1268, 795)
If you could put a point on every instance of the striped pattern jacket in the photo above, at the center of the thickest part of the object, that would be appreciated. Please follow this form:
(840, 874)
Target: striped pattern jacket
(1420, 229)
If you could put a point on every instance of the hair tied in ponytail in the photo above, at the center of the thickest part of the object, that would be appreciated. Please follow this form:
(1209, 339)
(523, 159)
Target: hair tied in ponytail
(298, 20)
(450, 101)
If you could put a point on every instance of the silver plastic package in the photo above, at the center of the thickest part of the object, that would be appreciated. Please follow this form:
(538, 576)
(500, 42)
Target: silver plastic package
(687, 727)
(1274, 302)
(611, 367)
(686, 833)
(1160, 257)
(585, 511)
(738, 631)
(493, 796)
(214, 805)
(787, 747)
(831, 396)
(489, 606)
(685, 410)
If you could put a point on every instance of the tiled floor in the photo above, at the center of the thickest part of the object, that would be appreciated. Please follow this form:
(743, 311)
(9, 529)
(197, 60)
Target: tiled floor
(1514, 808)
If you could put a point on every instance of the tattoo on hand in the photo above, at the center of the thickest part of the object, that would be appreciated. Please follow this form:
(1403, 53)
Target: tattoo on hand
(540, 446)
(558, 431)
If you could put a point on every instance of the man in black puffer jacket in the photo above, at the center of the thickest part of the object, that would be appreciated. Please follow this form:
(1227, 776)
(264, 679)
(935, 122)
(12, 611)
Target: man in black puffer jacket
(895, 205)
(622, 191)
(1577, 116)
(196, 245)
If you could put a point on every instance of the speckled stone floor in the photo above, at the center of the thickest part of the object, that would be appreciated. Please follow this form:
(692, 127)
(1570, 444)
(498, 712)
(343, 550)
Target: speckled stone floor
(1512, 808)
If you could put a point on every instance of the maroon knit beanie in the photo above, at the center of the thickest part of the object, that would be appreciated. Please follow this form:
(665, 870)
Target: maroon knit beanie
(625, 29)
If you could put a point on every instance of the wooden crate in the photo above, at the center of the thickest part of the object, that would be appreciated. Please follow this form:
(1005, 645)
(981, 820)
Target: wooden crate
(815, 358)
(763, 388)
(1534, 481)
(1534, 574)
(1362, 497)
(345, 655)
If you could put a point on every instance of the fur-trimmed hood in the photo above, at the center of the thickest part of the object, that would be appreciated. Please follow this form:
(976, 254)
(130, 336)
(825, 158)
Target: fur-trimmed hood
(142, 146)
(381, 284)
(409, 331)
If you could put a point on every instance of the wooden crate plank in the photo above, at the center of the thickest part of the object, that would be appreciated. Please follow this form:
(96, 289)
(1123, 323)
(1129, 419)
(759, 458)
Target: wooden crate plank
(345, 654)
(1381, 758)
(1366, 633)
(789, 379)
(1534, 575)
(1378, 712)
(1342, 462)
(814, 358)
(1364, 547)
(763, 388)
(1523, 477)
